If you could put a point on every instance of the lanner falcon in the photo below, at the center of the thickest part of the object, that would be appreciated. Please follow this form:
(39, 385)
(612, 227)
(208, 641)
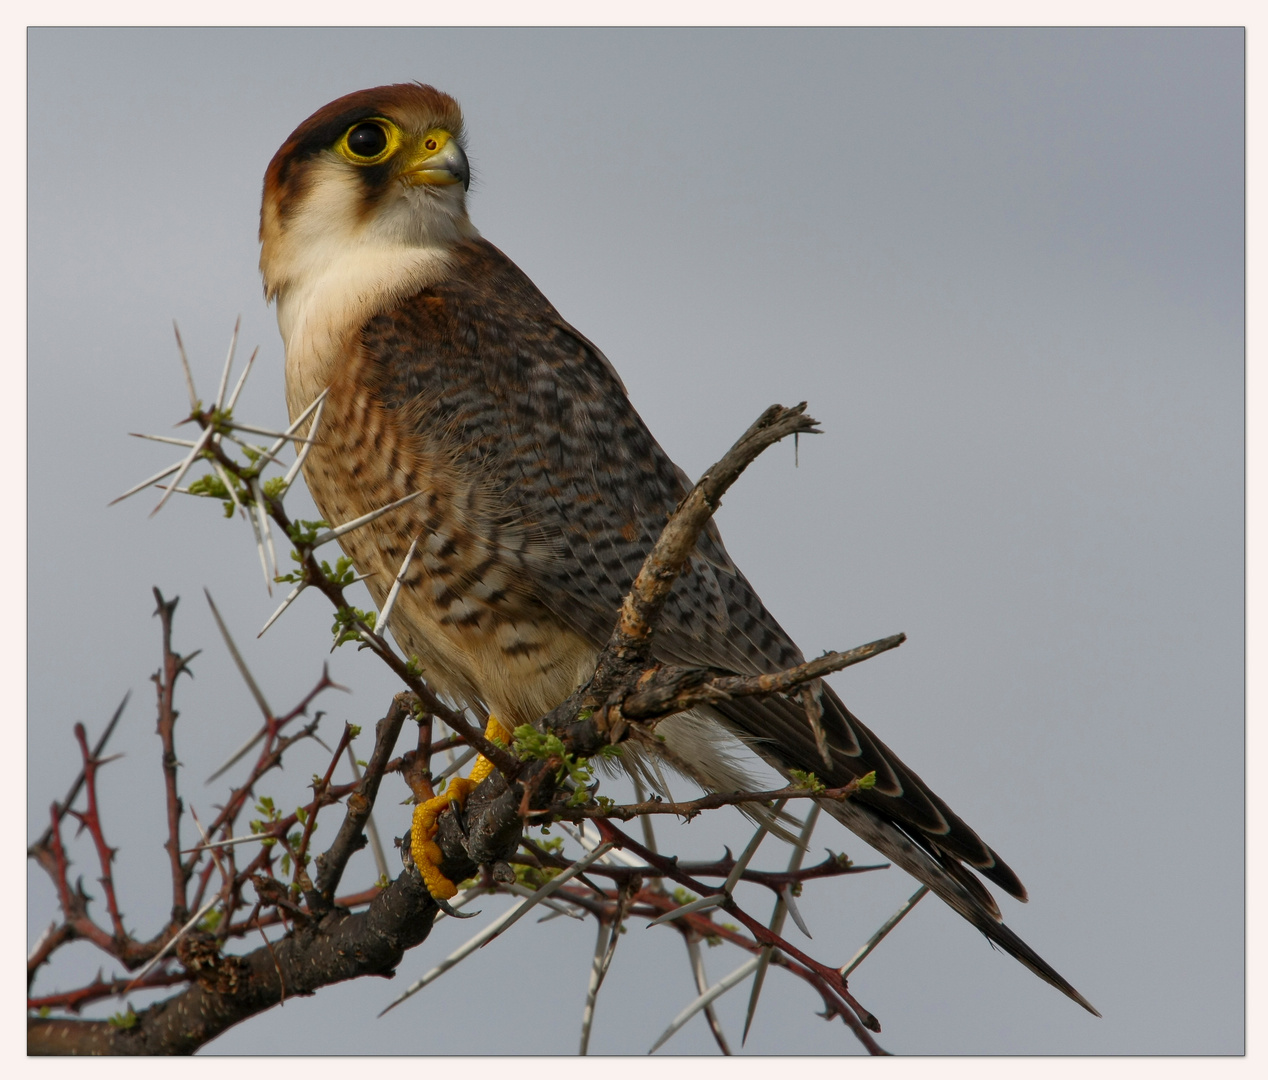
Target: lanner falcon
(449, 373)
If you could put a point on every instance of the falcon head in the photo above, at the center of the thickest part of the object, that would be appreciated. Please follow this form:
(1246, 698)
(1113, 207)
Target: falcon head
(379, 173)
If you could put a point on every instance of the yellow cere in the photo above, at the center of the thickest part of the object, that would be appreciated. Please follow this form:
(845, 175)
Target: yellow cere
(426, 852)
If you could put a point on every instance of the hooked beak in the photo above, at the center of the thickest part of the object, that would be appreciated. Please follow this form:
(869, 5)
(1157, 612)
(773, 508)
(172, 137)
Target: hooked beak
(440, 160)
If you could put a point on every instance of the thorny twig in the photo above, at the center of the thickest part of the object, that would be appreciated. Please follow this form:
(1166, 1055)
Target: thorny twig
(90, 819)
(165, 684)
(75, 788)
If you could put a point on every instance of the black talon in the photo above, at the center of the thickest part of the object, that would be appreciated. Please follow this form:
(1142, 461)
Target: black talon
(452, 911)
(460, 819)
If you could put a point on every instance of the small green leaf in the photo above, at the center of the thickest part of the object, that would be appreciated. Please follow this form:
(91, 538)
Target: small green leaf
(807, 780)
(124, 1020)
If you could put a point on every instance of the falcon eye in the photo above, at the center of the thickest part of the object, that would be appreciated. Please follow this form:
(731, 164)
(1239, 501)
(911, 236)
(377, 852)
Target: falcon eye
(367, 140)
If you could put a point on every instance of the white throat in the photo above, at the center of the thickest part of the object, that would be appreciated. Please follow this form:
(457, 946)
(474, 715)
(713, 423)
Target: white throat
(331, 269)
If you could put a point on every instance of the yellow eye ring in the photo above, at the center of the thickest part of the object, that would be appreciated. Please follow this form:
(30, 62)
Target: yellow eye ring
(369, 141)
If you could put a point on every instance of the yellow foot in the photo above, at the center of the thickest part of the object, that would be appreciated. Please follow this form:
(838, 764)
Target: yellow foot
(423, 847)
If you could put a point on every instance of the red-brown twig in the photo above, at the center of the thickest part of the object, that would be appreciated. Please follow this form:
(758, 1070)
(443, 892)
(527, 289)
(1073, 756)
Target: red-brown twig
(91, 820)
(829, 977)
(57, 935)
(74, 1000)
(650, 903)
(165, 684)
(320, 789)
(270, 758)
(60, 866)
(71, 795)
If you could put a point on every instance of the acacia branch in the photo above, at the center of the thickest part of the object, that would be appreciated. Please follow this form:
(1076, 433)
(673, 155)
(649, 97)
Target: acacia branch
(688, 810)
(230, 989)
(677, 541)
(671, 689)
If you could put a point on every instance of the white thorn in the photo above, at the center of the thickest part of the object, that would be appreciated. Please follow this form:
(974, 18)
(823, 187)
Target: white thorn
(187, 443)
(711, 995)
(215, 854)
(189, 375)
(313, 409)
(52, 929)
(258, 495)
(224, 375)
(462, 952)
(554, 883)
(787, 894)
(516, 889)
(209, 844)
(776, 924)
(285, 604)
(616, 855)
(242, 381)
(184, 466)
(237, 756)
(259, 547)
(320, 405)
(702, 986)
(224, 479)
(286, 436)
(704, 903)
(592, 988)
(456, 764)
(380, 627)
(886, 927)
(649, 835)
(749, 851)
(168, 947)
(356, 523)
(235, 426)
(237, 659)
(146, 483)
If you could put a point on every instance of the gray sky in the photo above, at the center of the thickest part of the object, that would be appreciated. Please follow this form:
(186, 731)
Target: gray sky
(1005, 268)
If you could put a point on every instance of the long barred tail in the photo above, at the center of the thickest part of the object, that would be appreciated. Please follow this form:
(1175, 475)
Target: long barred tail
(900, 849)
(901, 816)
